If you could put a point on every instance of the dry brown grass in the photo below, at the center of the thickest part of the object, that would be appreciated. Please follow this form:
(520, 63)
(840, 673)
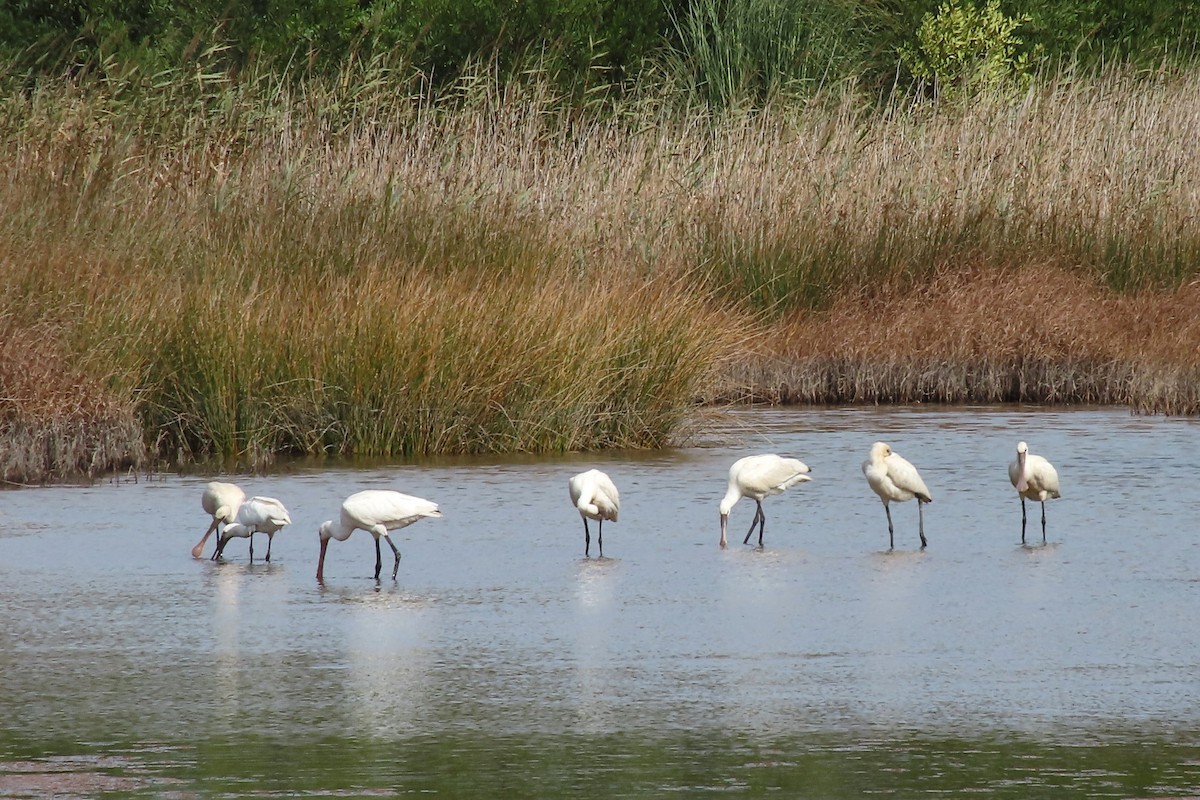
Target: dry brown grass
(56, 422)
(1033, 334)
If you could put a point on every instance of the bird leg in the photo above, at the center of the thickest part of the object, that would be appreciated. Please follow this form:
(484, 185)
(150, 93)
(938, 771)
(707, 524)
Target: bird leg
(270, 536)
(395, 550)
(891, 533)
(1043, 522)
(921, 523)
(1022, 518)
(378, 559)
(600, 535)
(758, 514)
(587, 537)
(221, 542)
(251, 546)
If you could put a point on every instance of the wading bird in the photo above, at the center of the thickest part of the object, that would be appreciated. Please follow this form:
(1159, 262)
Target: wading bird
(377, 512)
(256, 515)
(894, 478)
(595, 495)
(1035, 478)
(758, 477)
(221, 502)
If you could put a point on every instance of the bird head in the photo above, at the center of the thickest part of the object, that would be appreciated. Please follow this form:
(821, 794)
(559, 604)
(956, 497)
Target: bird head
(1022, 454)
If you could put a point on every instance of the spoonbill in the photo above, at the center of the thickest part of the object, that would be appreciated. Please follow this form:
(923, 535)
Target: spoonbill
(1034, 477)
(894, 478)
(256, 515)
(376, 511)
(595, 495)
(221, 502)
(758, 477)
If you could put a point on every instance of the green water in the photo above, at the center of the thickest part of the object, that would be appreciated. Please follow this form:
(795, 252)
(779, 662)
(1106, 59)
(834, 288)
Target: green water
(614, 765)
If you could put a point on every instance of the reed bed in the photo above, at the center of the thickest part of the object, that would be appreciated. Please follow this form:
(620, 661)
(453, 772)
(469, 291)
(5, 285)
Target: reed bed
(1034, 334)
(251, 267)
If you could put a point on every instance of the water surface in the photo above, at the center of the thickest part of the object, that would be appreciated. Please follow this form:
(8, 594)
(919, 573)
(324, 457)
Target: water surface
(504, 662)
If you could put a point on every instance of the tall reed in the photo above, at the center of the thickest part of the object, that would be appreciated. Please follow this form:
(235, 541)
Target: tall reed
(251, 266)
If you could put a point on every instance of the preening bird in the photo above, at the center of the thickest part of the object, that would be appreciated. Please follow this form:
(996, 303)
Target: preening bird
(256, 515)
(758, 477)
(221, 501)
(1034, 477)
(376, 511)
(595, 495)
(894, 478)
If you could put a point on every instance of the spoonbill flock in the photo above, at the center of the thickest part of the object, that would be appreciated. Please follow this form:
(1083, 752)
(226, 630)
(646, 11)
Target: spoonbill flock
(594, 495)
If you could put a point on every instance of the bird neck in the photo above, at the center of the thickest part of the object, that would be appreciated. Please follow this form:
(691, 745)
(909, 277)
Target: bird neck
(732, 495)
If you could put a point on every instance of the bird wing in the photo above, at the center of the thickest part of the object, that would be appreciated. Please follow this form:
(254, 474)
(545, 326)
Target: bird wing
(606, 497)
(1044, 478)
(264, 511)
(769, 474)
(390, 509)
(906, 478)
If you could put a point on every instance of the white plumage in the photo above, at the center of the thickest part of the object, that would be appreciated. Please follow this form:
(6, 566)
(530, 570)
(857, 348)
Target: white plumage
(758, 477)
(894, 478)
(1034, 477)
(377, 512)
(595, 495)
(221, 501)
(256, 515)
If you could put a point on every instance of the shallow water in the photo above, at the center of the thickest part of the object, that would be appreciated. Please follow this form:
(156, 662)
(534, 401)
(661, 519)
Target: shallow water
(504, 663)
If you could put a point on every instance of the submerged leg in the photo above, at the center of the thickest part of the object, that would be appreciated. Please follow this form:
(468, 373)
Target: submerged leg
(1022, 518)
(396, 551)
(1043, 522)
(921, 523)
(891, 532)
(753, 522)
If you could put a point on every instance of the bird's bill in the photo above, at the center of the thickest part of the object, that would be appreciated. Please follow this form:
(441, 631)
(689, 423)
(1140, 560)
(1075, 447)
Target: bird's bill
(724, 525)
(1022, 484)
(198, 550)
(321, 561)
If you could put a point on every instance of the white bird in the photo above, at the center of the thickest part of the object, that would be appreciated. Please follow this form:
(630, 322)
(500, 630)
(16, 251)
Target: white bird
(758, 477)
(1034, 477)
(894, 478)
(595, 495)
(256, 515)
(221, 502)
(377, 512)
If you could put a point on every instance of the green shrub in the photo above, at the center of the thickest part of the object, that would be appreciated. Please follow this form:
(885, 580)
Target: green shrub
(963, 49)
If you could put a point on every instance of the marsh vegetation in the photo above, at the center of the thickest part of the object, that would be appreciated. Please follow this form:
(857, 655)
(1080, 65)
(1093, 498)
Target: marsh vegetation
(207, 263)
